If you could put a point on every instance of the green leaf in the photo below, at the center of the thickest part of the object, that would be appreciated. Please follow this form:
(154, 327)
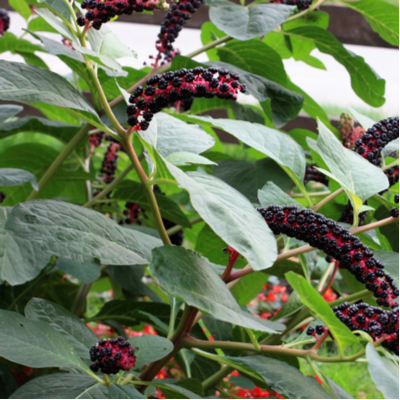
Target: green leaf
(29, 84)
(8, 111)
(365, 122)
(35, 344)
(364, 81)
(9, 42)
(188, 276)
(383, 17)
(74, 232)
(21, 7)
(87, 273)
(209, 33)
(174, 135)
(271, 194)
(39, 24)
(354, 173)
(247, 177)
(19, 260)
(15, 177)
(337, 391)
(59, 386)
(245, 55)
(149, 348)
(133, 191)
(245, 23)
(384, 372)
(316, 303)
(391, 261)
(230, 215)
(248, 287)
(186, 158)
(55, 22)
(271, 142)
(70, 326)
(59, 7)
(279, 376)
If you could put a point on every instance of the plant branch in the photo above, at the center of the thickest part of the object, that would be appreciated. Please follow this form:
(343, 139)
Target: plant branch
(155, 211)
(217, 377)
(62, 156)
(327, 199)
(178, 228)
(110, 187)
(373, 225)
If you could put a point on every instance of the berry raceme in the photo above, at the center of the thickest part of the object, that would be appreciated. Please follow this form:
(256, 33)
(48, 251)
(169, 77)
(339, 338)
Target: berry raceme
(180, 85)
(172, 25)
(376, 138)
(4, 21)
(349, 133)
(392, 175)
(2, 196)
(337, 242)
(312, 174)
(301, 4)
(112, 355)
(99, 11)
(372, 320)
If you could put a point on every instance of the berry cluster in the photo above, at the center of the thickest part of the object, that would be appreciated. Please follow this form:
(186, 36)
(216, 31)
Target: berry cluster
(312, 174)
(180, 85)
(2, 196)
(132, 212)
(109, 164)
(372, 320)
(337, 242)
(392, 175)
(317, 331)
(376, 138)
(100, 12)
(172, 25)
(4, 21)
(348, 215)
(394, 212)
(112, 355)
(301, 4)
(349, 133)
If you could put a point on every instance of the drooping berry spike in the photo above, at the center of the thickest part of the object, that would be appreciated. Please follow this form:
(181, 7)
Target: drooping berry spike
(372, 320)
(4, 21)
(2, 196)
(392, 175)
(349, 133)
(112, 355)
(376, 138)
(301, 4)
(312, 174)
(180, 85)
(99, 11)
(172, 25)
(132, 213)
(337, 242)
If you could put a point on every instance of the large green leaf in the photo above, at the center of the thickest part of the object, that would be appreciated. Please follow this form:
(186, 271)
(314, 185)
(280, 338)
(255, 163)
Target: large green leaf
(20, 260)
(9, 42)
(384, 372)
(69, 325)
(354, 173)
(87, 272)
(21, 7)
(188, 276)
(60, 130)
(74, 232)
(209, 33)
(133, 191)
(15, 177)
(30, 84)
(8, 111)
(245, 23)
(273, 143)
(316, 303)
(271, 194)
(278, 375)
(149, 348)
(35, 344)
(248, 177)
(230, 215)
(59, 7)
(382, 15)
(391, 261)
(364, 81)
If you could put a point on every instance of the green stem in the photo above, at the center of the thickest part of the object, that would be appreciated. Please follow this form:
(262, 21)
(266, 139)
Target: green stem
(66, 151)
(373, 225)
(110, 187)
(217, 377)
(353, 297)
(153, 182)
(302, 13)
(313, 194)
(391, 165)
(178, 228)
(209, 46)
(80, 299)
(148, 191)
(327, 199)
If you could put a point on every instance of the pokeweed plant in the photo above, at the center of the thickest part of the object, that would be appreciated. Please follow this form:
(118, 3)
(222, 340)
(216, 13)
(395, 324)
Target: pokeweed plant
(138, 251)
